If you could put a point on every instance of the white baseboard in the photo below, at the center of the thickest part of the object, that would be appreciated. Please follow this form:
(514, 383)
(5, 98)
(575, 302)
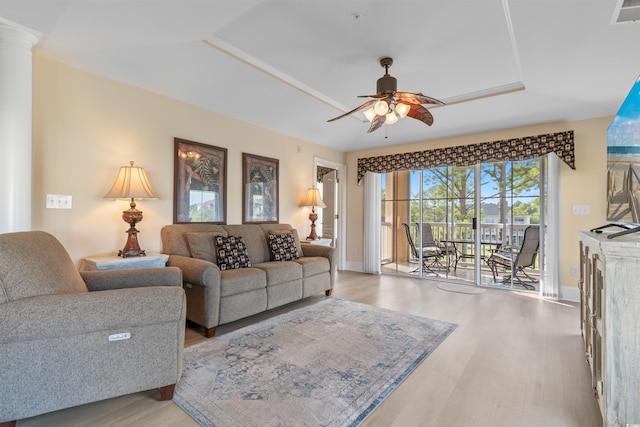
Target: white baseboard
(567, 293)
(570, 293)
(355, 266)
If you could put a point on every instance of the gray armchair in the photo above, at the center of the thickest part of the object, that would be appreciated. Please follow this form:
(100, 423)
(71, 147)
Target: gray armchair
(68, 338)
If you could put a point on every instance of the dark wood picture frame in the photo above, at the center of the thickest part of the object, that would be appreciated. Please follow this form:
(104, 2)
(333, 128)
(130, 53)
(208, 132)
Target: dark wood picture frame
(260, 193)
(200, 183)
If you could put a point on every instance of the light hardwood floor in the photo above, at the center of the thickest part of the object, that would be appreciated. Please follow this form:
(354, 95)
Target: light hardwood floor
(514, 360)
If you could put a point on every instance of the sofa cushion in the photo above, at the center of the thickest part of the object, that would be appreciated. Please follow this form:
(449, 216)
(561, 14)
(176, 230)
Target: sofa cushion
(279, 272)
(202, 245)
(231, 253)
(174, 241)
(242, 280)
(254, 239)
(313, 265)
(283, 247)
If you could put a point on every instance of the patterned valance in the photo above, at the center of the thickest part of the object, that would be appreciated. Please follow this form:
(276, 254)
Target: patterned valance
(530, 147)
(322, 171)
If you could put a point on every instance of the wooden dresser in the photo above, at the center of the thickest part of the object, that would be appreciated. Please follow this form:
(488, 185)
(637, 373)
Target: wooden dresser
(610, 320)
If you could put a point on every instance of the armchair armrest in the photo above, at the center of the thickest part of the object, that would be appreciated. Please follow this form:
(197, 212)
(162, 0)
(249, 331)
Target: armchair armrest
(202, 286)
(196, 271)
(328, 252)
(61, 315)
(502, 249)
(101, 280)
(318, 250)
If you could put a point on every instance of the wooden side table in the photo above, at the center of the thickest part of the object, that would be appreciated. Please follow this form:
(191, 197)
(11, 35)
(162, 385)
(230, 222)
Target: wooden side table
(114, 262)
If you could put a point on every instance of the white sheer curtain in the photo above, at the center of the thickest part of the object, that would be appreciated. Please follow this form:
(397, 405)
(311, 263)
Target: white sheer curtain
(372, 215)
(550, 239)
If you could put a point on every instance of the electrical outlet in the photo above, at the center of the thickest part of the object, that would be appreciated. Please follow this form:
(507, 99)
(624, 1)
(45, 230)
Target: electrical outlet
(581, 209)
(575, 271)
(57, 201)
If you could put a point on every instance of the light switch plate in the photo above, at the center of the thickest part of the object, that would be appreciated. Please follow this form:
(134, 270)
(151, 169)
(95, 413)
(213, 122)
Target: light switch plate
(581, 209)
(57, 201)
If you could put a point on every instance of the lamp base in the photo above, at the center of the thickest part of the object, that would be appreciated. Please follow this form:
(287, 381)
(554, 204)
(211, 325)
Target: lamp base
(126, 253)
(313, 216)
(131, 248)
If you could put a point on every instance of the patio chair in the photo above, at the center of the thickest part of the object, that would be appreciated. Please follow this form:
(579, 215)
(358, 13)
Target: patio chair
(517, 261)
(431, 254)
(446, 248)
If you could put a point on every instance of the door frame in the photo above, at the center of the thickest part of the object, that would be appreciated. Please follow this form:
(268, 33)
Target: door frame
(341, 208)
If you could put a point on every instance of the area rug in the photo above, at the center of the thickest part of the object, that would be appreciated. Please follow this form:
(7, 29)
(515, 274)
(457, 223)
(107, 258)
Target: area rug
(327, 364)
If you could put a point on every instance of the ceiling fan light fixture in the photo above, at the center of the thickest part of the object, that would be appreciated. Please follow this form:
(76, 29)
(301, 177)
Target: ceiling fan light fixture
(402, 109)
(381, 108)
(370, 114)
(389, 105)
(391, 118)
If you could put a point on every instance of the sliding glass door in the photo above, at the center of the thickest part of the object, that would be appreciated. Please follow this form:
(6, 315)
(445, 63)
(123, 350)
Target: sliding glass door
(446, 222)
(448, 210)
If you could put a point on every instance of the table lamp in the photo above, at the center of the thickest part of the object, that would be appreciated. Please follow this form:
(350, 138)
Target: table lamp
(131, 183)
(313, 200)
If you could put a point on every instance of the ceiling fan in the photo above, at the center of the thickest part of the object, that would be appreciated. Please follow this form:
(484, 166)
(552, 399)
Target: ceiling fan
(389, 103)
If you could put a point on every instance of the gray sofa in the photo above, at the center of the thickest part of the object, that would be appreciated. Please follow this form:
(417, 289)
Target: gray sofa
(216, 297)
(63, 333)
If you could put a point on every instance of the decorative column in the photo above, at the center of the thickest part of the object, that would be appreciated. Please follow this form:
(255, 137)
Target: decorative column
(16, 43)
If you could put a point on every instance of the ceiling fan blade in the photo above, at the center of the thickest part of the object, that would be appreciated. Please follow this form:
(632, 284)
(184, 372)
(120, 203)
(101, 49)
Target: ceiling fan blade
(378, 96)
(417, 98)
(365, 105)
(418, 112)
(376, 123)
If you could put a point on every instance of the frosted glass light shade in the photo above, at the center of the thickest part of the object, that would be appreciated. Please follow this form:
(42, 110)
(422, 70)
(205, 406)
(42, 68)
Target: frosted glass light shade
(381, 108)
(402, 109)
(370, 114)
(391, 118)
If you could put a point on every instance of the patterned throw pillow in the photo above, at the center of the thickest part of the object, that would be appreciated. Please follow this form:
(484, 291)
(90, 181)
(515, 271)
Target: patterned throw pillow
(283, 247)
(231, 253)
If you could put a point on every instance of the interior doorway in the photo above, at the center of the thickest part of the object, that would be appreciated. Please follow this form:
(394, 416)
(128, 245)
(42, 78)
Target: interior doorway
(330, 178)
(329, 191)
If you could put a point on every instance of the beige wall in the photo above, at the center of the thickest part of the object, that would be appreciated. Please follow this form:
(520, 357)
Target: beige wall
(87, 126)
(584, 186)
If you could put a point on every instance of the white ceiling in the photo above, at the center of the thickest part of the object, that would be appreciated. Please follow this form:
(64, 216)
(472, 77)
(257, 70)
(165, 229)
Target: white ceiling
(289, 65)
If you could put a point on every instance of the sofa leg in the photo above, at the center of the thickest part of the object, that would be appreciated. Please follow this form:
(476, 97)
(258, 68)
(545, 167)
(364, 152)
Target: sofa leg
(209, 332)
(328, 292)
(166, 392)
(8, 424)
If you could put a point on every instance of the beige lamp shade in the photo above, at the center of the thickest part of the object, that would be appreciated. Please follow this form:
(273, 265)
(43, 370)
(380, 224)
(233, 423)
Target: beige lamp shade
(131, 183)
(313, 199)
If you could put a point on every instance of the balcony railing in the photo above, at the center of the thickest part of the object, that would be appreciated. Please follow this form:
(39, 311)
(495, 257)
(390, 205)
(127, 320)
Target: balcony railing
(508, 235)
